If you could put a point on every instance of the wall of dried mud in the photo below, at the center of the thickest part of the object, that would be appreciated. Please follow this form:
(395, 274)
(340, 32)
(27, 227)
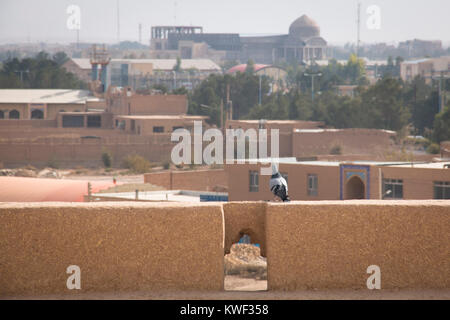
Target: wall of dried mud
(172, 246)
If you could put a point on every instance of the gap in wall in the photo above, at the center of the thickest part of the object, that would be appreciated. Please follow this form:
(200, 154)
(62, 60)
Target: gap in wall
(244, 267)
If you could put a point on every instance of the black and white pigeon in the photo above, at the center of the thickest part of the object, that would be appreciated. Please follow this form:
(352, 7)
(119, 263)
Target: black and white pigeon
(278, 185)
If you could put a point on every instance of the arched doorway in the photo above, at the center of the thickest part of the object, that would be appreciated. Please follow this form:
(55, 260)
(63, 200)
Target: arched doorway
(37, 114)
(14, 114)
(355, 189)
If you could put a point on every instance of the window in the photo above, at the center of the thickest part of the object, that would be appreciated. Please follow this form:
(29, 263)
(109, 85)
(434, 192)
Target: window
(392, 189)
(441, 190)
(121, 124)
(73, 121)
(254, 181)
(37, 114)
(312, 184)
(2, 115)
(158, 129)
(94, 121)
(14, 114)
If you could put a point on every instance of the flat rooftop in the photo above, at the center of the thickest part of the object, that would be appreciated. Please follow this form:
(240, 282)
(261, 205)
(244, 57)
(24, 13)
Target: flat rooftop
(338, 130)
(41, 96)
(164, 195)
(166, 117)
(397, 164)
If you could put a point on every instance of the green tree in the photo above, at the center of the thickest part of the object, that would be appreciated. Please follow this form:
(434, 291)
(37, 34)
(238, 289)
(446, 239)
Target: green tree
(38, 72)
(422, 102)
(354, 70)
(250, 69)
(177, 66)
(60, 58)
(441, 130)
(383, 106)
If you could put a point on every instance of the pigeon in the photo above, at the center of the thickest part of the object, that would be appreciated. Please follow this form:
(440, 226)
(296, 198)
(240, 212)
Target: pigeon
(278, 185)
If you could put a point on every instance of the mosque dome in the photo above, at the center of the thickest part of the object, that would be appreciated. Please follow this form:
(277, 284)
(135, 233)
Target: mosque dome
(304, 27)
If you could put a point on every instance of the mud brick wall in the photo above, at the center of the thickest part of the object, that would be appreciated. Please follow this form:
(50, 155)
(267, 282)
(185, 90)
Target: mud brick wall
(119, 247)
(245, 218)
(329, 245)
(196, 180)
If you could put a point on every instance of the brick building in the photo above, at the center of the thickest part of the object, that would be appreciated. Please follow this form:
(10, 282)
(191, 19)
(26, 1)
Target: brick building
(73, 128)
(45, 104)
(321, 180)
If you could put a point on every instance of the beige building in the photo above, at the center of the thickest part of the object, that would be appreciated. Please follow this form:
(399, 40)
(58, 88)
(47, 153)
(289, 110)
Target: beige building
(157, 124)
(310, 139)
(277, 76)
(123, 101)
(80, 67)
(45, 104)
(144, 73)
(426, 68)
(321, 180)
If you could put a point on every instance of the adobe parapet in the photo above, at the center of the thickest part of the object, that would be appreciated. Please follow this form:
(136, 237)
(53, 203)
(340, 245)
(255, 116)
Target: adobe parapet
(128, 247)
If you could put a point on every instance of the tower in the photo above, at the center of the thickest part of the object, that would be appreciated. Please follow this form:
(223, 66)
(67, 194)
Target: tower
(99, 57)
(118, 22)
(358, 26)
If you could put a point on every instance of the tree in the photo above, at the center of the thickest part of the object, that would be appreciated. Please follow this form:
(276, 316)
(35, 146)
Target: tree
(441, 130)
(177, 66)
(354, 69)
(383, 106)
(250, 69)
(38, 72)
(180, 91)
(60, 58)
(422, 102)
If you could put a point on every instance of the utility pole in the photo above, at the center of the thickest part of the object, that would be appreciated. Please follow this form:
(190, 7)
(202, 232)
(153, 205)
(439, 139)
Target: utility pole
(174, 79)
(229, 104)
(140, 32)
(441, 87)
(259, 97)
(312, 75)
(118, 22)
(221, 115)
(358, 26)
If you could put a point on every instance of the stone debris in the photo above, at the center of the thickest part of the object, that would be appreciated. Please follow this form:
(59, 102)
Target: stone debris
(28, 173)
(245, 260)
(48, 173)
(7, 172)
(25, 173)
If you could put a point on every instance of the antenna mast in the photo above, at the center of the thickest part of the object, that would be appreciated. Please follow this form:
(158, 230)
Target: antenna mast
(358, 25)
(118, 22)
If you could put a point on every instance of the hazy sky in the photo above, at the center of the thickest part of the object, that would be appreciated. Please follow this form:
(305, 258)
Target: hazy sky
(45, 20)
